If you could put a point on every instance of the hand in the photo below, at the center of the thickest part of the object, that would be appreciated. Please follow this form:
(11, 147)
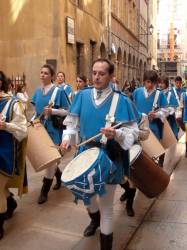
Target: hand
(151, 115)
(2, 125)
(110, 133)
(64, 146)
(47, 111)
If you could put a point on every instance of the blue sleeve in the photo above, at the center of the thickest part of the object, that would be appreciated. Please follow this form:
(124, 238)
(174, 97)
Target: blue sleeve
(76, 105)
(173, 101)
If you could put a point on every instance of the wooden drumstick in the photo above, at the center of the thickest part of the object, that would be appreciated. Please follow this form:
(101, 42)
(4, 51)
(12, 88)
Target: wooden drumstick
(94, 137)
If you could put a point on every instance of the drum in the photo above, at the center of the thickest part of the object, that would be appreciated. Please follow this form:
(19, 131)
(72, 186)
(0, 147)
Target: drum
(147, 176)
(168, 138)
(87, 174)
(41, 150)
(152, 147)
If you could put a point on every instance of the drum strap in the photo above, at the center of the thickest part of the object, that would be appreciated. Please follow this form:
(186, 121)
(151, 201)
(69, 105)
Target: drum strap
(155, 100)
(176, 96)
(53, 96)
(169, 97)
(110, 116)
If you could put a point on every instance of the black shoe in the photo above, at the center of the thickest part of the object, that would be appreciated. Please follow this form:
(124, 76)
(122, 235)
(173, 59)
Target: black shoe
(45, 190)
(129, 204)
(106, 241)
(124, 196)
(94, 224)
(11, 206)
(2, 219)
(58, 175)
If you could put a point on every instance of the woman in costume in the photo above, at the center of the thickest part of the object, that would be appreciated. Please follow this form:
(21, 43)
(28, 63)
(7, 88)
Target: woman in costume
(60, 79)
(13, 129)
(48, 116)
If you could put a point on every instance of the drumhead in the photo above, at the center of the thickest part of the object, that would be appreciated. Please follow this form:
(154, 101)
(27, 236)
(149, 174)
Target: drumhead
(134, 153)
(80, 164)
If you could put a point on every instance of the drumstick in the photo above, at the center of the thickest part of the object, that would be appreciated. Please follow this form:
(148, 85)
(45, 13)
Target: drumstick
(94, 137)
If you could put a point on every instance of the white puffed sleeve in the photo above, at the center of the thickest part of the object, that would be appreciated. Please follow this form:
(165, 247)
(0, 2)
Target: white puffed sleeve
(72, 129)
(18, 125)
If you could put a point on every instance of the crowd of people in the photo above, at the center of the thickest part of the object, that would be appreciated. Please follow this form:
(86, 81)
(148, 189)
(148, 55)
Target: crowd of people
(71, 117)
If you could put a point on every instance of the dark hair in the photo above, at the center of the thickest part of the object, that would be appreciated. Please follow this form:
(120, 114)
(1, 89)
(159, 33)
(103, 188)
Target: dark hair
(50, 68)
(61, 73)
(110, 64)
(178, 78)
(165, 80)
(4, 83)
(83, 78)
(150, 75)
(20, 87)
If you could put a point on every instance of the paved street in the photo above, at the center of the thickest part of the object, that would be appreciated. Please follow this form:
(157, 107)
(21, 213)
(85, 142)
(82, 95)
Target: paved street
(58, 224)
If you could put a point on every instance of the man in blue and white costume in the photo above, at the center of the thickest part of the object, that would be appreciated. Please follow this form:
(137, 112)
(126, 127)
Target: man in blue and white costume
(60, 79)
(88, 112)
(172, 104)
(178, 86)
(41, 100)
(144, 100)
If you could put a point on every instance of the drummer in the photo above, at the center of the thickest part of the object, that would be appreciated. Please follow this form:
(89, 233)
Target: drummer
(13, 129)
(151, 101)
(40, 100)
(172, 104)
(60, 80)
(89, 109)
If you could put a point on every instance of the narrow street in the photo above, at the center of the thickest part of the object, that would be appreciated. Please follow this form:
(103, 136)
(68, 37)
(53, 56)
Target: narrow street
(58, 224)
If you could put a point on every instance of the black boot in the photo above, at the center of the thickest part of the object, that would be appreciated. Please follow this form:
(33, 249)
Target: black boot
(2, 219)
(45, 190)
(161, 160)
(94, 224)
(125, 194)
(129, 204)
(58, 175)
(11, 206)
(106, 241)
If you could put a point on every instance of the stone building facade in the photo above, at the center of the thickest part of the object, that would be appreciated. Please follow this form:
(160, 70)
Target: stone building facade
(70, 34)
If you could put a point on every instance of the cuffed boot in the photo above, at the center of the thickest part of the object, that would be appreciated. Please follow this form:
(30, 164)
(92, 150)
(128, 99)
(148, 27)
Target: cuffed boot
(2, 219)
(58, 175)
(45, 190)
(94, 224)
(11, 206)
(124, 196)
(129, 204)
(106, 241)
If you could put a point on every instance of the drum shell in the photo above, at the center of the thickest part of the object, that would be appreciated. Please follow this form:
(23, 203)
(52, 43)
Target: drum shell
(148, 177)
(41, 150)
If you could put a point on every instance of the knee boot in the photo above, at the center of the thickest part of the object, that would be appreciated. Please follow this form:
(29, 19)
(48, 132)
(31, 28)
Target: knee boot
(129, 204)
(58, 175)
(1, 225)
(11, 206)
(125, 186)
(106, 241)
(45, 190)
(94, 224)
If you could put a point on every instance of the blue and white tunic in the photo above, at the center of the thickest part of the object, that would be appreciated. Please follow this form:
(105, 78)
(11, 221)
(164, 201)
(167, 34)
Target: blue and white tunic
(88, 114)
(68, 90)
(41, 100)
(144, 103)
(15, 131)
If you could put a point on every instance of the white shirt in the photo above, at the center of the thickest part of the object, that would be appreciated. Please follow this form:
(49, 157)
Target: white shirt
(125, 136)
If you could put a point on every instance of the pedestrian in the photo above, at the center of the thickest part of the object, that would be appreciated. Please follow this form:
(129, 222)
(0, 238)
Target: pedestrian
(48, 116)
(81, 83)
(89, 111)
(13, 129)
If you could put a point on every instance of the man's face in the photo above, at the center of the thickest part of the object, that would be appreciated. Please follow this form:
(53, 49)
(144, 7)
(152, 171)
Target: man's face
(149, 85)
(178, 84)
(100, 75)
